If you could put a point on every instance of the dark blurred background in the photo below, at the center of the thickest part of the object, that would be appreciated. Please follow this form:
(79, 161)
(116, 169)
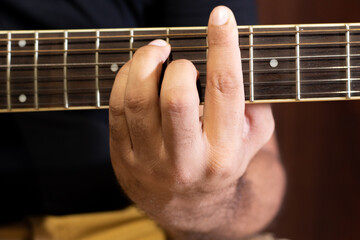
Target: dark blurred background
(319, 142)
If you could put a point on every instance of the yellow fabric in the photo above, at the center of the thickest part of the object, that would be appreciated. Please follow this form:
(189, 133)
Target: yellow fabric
(128, 224)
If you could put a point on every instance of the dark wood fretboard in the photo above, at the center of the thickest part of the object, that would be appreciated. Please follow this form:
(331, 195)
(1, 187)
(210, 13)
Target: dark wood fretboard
(75, 69)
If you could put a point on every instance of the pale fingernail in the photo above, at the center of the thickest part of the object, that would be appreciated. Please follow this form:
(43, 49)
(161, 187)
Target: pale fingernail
(219, 16)
(158, 42)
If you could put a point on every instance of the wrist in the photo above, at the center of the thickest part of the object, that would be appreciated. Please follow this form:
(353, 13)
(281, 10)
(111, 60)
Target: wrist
(194, 211)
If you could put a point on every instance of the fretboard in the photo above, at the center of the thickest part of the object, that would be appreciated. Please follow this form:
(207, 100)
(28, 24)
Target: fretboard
(75, 69)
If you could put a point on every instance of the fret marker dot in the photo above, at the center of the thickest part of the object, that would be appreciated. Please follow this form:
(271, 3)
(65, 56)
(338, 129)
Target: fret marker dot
(274, 63)
(22, 98)
(114, 67)
(22, 43)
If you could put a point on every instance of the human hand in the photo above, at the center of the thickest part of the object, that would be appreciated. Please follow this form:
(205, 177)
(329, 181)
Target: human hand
(166, 154)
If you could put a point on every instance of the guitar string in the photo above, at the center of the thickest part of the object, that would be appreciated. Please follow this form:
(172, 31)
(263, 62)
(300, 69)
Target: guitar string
(120, 64)
(244, 59)
(165, 35)
(281, 45)
(267, 95)
(182, 48)
(270, 83)
(81, 91)
(91, 103)
(273, 71)
(43, 80)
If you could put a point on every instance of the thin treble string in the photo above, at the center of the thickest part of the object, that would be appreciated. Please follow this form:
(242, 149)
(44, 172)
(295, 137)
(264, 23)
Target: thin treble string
(108, 90)
(192, 60)
(51, 80)
(245, 59)
(183, 48)
(62, 64)
(270, 70)
(179, 35)
(273, 71)
(104, 77)
(268, 97)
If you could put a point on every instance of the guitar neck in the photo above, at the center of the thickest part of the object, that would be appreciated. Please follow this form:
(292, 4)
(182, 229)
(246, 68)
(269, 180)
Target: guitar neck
(74, 69)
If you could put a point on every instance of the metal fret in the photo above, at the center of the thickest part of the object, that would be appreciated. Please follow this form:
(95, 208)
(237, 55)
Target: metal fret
(298, 84)
(251, 63)
(320, 72)
(131, 43)
(66, 97)
(36, 58)
(348, 64)
(8, 72)
(97, 46)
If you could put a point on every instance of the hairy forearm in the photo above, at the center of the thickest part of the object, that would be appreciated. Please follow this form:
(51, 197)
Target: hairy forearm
(243, 209)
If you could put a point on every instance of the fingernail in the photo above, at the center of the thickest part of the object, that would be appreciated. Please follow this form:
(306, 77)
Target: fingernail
(158, 42)
(219, 16)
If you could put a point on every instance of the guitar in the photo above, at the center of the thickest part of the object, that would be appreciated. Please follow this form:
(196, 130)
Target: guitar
(74, 69)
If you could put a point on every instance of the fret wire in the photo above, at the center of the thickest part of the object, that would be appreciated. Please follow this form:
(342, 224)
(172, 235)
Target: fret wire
(8, 72)
(251, 64)
(348, 63)
(97, 93)
(195, 34)
(36, 57)
(65, 80)
(298, 85)
(131, 42)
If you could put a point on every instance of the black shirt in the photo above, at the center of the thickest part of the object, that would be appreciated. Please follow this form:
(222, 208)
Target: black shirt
(58, 162)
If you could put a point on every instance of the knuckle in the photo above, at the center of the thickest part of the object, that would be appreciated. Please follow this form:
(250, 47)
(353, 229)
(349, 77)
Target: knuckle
(184, 178)
(116, 109)
(135, 102)
(182, 63)
(224, 82)
(228, 172)
(223, 161)
(220, 168)
(177, 101)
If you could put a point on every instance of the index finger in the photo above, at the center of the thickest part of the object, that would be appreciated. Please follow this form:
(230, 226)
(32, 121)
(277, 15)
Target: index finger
(224, 96)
